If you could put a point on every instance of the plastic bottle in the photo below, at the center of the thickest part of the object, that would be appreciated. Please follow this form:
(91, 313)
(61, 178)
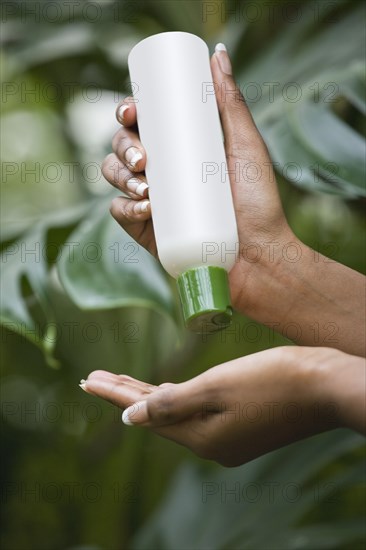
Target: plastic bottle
(189, 187)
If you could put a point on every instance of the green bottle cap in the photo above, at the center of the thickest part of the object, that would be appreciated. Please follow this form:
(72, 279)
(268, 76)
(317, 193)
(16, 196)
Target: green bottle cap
(205, 297)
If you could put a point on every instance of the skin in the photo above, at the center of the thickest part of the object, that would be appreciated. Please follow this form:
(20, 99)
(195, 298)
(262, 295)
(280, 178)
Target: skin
(277, 396)
(324, 299)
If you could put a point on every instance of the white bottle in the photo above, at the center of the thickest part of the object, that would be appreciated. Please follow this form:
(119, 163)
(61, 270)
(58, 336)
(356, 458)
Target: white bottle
(189, 187)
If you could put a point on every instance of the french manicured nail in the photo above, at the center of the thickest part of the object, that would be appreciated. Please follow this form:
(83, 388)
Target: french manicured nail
(82, 384)
(137, 186)
(135, 414)
(121, 111)
(132, 156)
(223, 58)
(141, 206)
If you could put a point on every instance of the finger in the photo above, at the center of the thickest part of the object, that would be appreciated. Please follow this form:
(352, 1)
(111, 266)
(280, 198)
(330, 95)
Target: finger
(110, 375)
(127, 146)
(135, 218)
(118, 378)
(123, 179)
(126, 112)
(122, 391)
(173, 403)
(119, 393)
(239, 128)
(128, 212)
(201, 396)
(168, 403)
(253, 181)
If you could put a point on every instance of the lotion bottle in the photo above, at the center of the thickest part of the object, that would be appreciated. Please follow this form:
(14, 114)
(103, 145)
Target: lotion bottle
(189, 187)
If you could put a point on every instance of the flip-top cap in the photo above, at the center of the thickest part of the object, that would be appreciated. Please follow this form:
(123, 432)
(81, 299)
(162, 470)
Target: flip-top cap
(205, 297)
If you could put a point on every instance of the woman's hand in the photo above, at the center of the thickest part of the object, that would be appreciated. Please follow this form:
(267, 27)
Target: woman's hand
(240, 410)
(257, 205)
(277, 280)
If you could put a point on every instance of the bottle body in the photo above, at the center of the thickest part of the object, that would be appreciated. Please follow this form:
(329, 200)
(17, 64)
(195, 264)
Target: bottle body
(191, 203)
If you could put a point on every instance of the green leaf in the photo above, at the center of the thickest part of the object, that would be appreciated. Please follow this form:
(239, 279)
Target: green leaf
(39, 181)
(132, 340)
(235, 503)
(320, 536)
(312, 146)
(108, 269)
(330, 141)
(51, 42)
(25, 258)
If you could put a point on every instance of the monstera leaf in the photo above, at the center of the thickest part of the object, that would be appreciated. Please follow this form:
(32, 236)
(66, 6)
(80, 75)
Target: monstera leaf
(100, 267)
(108, 269)
(293, 90)
(316, 149)
(24, 262)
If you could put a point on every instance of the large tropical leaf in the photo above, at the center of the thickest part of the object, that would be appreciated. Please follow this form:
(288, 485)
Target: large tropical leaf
(24, 263)
(293, 88)
(229, 508)
(108, 269)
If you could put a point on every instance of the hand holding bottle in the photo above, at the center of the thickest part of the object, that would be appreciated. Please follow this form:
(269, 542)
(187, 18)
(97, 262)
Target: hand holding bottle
(265, 285)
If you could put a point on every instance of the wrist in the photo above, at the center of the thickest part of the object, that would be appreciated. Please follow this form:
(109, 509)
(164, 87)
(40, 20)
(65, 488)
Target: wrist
(310, 299)
(335, 388)
(266, 270)
(302, 380)
(345, 386)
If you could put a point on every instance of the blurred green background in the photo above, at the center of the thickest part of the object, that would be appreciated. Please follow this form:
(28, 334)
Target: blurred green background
(78, 295)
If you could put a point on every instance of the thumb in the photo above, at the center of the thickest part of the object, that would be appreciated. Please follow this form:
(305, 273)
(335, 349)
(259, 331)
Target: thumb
(252, 179)
(169, 404)
(238, 124)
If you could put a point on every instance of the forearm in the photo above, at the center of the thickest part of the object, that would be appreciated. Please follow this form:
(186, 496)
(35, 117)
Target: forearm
(313, 301)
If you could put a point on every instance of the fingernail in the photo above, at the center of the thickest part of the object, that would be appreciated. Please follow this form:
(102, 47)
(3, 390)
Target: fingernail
(141, 206)
(137, 186)
(82, 384)
(133, 155)
(121, 111)
(135, 414)
(223, 58)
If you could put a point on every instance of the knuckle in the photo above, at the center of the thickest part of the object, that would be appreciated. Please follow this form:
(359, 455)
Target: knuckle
(232, 98)
(125, 176)
(119, 138)
(122, 210)
(245, 146)
(124, 378)
(237, 100)
(285, 354)
(239, 142)
(107, 164)
(162, 406)
(115, 139)
(122, 145)
(115, 207)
